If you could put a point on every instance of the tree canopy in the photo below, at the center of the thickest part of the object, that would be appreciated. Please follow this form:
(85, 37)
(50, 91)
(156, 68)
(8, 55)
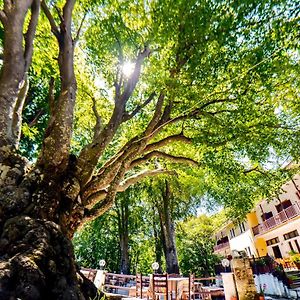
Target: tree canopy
(101, 94)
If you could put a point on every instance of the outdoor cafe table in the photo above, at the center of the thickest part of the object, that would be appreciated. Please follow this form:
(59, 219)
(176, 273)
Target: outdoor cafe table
(176, 285)
(214, 291)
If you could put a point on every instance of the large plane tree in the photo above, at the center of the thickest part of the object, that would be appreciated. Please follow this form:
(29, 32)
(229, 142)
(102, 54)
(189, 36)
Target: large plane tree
(209, 80)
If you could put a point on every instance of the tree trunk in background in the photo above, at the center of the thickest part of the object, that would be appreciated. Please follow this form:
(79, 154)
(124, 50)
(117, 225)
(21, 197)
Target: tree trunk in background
(123, 217)
(168, 232)
(158, 242)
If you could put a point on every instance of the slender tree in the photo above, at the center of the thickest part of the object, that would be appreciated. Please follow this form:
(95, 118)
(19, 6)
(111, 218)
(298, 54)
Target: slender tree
(122, 207)
(206, 75)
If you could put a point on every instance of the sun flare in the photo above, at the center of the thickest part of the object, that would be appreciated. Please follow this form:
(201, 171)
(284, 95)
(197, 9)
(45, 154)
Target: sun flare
(128, 69)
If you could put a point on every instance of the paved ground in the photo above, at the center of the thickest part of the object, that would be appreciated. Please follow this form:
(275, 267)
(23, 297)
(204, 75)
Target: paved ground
(271, 298)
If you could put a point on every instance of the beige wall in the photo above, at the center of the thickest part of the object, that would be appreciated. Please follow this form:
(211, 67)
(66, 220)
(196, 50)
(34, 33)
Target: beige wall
(257, 244)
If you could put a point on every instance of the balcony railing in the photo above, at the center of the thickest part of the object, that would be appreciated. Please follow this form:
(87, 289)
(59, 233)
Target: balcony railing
(283, 216)
(221, 246)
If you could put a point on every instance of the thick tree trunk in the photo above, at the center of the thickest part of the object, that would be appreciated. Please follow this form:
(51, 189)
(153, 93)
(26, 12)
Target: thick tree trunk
(37, 259)
(168, 233)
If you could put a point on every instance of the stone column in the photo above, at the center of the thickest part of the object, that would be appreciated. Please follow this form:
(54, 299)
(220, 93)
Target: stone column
(229, 285)
(244, 278)
(100, 279)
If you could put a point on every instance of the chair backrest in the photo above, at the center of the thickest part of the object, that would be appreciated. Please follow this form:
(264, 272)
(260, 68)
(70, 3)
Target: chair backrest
(142, 286)
(139, 286)
(191, 286)
(196, 289)
(160, 285)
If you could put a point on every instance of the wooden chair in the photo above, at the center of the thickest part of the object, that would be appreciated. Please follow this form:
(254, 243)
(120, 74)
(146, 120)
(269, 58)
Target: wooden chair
(196, 290)
(159, 287)
(141, 287)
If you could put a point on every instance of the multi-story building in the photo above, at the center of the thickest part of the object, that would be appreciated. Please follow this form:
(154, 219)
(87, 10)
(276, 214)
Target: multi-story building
(271, 228)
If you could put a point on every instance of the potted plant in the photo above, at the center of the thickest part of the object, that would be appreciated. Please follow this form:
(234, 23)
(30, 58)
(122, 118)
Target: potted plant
(261, 294)
(295, 258)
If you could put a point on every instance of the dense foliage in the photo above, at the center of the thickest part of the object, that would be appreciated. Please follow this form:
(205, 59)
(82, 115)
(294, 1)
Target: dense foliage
(100, 239)
(99, 95)
(195, 246)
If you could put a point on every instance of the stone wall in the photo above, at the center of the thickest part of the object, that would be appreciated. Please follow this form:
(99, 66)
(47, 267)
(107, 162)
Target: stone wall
(244, 279)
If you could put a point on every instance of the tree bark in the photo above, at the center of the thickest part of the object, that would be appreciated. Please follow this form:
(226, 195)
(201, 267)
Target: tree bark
(38, 205)
(123, 227)
(37, 259)
(157, 242)
(16, 61)
(168, 232)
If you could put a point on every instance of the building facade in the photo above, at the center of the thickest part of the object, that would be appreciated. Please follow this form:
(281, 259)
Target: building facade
(272, 228)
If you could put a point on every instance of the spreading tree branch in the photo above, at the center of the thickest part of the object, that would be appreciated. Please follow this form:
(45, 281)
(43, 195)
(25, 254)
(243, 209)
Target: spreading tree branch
(67, 15)
(173, 138)
(254, 169)
(55, 151)
(90, 154)
(139, 176)
(108, 201)
(16, 61)
(50, 18)
(17, 116)
(128, 116)
(156, 115)
(29, 35)
(159, 154)
(76, 39)
(38, 115)
(98, 125)
(99, 196)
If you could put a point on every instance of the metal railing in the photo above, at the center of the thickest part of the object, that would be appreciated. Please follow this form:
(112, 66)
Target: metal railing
(283, 216)
(267, 264)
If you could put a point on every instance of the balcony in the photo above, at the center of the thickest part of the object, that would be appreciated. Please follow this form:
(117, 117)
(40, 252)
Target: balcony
(221, 246)
(282, 217)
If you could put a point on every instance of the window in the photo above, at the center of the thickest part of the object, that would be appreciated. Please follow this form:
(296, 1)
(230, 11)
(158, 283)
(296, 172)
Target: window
(290, 235)
(283, 205)
(297, 245)
(242, 227)
(272, 241)
(267, 215)
(249, 251)
(232, 233)
(291, 246)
